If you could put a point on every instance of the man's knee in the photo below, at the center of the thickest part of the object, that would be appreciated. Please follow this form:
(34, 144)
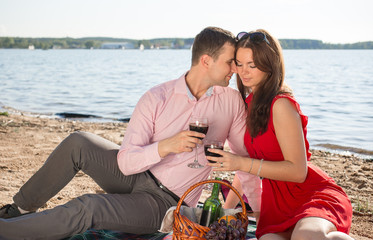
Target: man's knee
(80, 141)
(84, 202)
(77, 137)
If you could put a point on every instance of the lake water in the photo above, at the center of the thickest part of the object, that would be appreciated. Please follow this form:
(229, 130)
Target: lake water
(333, 87)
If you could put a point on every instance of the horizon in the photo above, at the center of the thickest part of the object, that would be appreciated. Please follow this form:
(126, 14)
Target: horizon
(335, 22)
(133, 39)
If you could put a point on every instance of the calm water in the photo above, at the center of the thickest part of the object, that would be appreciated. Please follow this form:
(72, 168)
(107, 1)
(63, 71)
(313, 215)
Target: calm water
(334, 87)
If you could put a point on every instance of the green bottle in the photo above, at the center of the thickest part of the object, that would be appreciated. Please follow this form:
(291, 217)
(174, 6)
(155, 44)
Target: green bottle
(211, 207)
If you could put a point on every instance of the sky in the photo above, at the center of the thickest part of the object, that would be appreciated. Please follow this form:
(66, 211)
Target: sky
(332, 21)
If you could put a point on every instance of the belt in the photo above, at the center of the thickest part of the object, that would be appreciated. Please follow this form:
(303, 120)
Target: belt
(164, 188)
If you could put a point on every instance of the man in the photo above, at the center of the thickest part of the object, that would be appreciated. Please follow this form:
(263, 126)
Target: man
(148, 173)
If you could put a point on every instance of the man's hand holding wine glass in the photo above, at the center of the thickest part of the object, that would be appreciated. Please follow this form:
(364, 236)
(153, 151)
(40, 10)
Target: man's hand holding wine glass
(184, 141)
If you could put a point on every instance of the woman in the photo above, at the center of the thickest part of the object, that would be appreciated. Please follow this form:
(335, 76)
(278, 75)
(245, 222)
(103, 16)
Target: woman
(299, 200)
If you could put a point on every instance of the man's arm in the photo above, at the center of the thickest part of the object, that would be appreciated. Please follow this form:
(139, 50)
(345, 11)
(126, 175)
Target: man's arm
(138, 153)
(251, 184)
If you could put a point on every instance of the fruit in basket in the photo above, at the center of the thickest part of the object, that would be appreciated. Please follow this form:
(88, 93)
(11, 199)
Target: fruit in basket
(228, 218)
(223, 230)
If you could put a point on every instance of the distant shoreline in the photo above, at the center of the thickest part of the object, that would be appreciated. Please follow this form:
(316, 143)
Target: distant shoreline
(333, 148)
(156, 43)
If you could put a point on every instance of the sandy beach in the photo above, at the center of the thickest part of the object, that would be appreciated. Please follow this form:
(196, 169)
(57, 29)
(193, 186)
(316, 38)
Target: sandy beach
(26, 142)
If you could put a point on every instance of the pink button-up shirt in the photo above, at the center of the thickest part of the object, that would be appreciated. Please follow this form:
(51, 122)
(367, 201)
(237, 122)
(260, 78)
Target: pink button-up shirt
(164, 111)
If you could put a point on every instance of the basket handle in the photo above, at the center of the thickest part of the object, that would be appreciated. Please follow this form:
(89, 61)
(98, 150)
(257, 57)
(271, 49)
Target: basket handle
(177, 210)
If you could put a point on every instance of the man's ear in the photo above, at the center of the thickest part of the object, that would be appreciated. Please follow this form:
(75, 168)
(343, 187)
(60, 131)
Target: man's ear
(205, 60)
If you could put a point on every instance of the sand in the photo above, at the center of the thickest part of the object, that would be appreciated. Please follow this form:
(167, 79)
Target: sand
(27, 140)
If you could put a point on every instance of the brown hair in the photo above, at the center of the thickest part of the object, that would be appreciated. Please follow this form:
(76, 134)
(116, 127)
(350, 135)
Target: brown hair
(267, 58)
(210, 41)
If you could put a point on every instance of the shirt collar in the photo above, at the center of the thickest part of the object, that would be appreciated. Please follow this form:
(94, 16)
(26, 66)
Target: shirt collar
(182, 88)
(208, 92)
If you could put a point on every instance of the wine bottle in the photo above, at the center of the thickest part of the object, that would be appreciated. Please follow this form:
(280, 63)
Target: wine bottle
(211, 207)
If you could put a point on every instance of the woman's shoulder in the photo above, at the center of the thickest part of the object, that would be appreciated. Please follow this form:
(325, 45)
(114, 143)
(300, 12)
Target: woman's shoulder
(284, 101)
(284, 96)
(283, 105)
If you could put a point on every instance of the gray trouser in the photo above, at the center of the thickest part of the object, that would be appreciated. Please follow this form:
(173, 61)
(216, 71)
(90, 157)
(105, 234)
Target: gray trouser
(133, 204)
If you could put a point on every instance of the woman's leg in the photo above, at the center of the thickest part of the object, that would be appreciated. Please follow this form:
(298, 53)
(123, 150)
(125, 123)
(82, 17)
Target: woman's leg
(277, 236)
(317, 228)
(90, 153)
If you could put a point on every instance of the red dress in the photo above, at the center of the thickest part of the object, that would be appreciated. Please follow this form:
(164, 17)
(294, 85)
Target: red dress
(285, 203)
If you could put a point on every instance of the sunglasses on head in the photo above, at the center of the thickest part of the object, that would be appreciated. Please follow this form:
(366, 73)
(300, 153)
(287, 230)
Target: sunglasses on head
(255, 37)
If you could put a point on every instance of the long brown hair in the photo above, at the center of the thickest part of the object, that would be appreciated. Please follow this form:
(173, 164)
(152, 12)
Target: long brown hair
(267, 58)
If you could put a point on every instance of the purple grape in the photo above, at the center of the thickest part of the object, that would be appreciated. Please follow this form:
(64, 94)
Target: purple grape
(223, 222)
(236, 233)
(213, 226)
(222, 236)
(233, 223)
(238, 222)
(210, 233)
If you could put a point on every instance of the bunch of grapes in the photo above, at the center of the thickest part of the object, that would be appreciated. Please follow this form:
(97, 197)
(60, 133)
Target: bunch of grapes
(222, 230)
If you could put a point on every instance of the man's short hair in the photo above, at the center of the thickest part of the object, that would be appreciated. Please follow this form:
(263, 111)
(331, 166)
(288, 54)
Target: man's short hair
(210, 41)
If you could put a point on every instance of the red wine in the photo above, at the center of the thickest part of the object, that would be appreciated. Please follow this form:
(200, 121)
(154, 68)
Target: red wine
(201, 128)
(211, 154)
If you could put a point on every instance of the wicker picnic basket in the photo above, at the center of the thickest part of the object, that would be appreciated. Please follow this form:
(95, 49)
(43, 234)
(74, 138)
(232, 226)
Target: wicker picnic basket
(183, 228)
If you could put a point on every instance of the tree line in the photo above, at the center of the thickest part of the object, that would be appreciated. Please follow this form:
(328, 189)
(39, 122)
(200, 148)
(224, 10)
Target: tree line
(170, 43)
(317, 44)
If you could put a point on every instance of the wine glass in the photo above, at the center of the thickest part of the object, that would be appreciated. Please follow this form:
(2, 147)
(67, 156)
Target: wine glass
(213, 144)
(198, 124)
